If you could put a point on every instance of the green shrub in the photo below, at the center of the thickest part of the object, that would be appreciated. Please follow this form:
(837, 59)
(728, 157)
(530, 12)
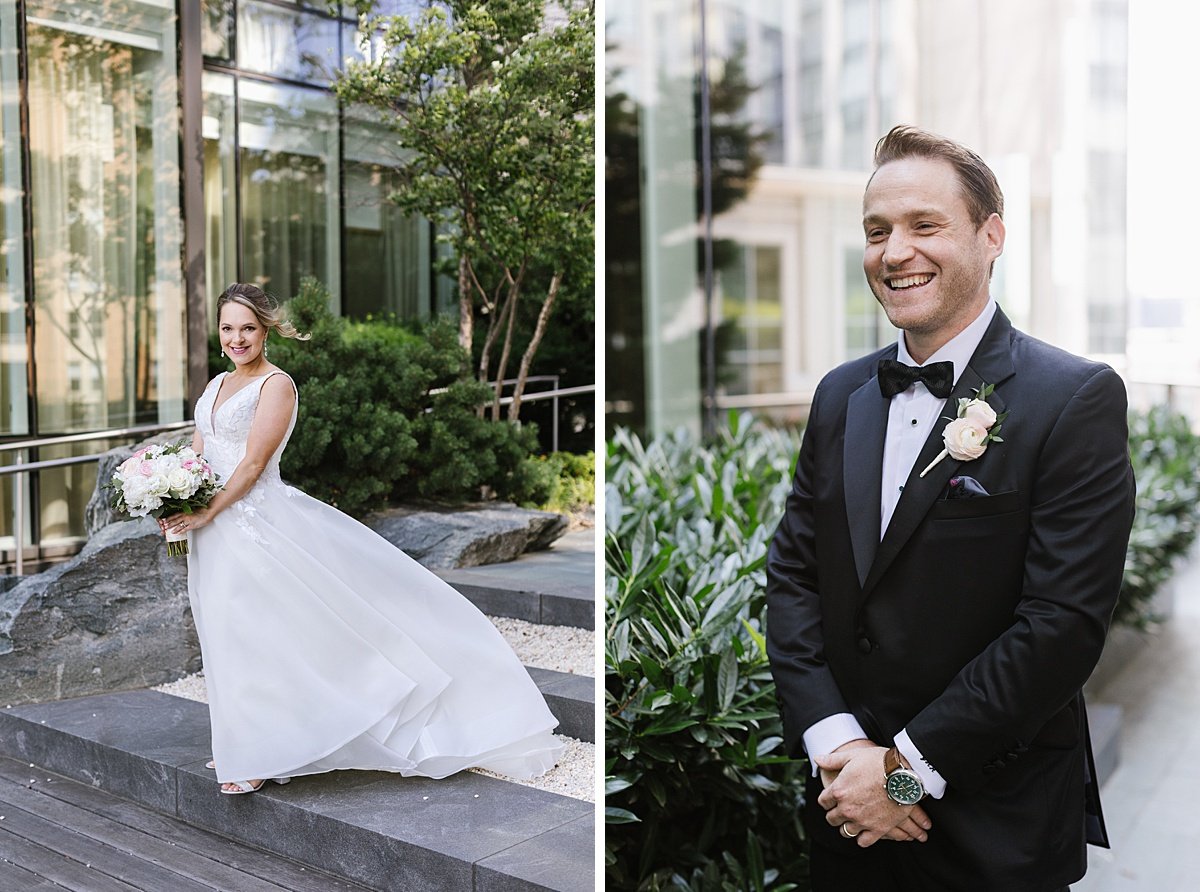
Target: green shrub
(569, 481)
(369, 432)
(698, 791)
(1165, 454)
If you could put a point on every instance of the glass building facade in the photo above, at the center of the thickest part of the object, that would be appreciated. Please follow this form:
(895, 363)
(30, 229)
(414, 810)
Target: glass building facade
(798, 92)
(152, 152)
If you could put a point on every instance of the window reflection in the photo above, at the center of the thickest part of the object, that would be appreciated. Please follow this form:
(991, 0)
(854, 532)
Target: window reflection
(289, 160)
(386, 250)
(104, 172)
(14, 355)
(286, 43)
(104, 168)
(216, 28)
(220, 199)
(750, 337)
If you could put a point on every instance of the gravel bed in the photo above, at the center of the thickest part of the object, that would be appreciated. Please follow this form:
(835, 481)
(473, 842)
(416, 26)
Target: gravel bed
(561, 648)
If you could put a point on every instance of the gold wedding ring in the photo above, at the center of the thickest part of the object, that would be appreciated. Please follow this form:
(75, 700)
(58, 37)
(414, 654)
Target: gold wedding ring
(846, 833)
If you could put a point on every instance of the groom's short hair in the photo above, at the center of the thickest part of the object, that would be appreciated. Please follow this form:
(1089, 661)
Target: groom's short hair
(981, 191)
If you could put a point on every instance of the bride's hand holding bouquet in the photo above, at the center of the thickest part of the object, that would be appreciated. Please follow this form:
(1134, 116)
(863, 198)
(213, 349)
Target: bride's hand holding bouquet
(165, 481)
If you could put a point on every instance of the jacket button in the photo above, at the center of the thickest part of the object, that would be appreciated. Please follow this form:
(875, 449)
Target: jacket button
(864, 645)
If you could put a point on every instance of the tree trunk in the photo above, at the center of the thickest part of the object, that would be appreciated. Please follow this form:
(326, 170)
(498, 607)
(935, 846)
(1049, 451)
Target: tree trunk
(466, 307)
(511, 303)
(514, 408)
(495, 319)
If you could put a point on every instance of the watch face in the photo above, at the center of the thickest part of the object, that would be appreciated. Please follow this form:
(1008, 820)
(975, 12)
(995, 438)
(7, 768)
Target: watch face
(904, 787)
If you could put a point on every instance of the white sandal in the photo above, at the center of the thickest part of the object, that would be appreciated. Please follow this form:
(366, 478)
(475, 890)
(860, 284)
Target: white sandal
(248, 787)
(211, 765)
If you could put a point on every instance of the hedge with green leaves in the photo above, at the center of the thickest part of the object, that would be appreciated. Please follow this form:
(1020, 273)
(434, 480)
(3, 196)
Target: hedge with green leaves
(1166, 454)
(698, 791)
(698, 794)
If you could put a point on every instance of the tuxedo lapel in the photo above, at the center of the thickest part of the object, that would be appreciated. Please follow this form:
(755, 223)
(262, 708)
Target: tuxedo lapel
(991, 364)
(862, 470)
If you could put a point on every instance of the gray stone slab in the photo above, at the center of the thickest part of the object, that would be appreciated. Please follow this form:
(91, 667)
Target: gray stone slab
(560, 860)
(126, 743)
(572, 699)
(569, 608)
(498, 600)
(381, 829)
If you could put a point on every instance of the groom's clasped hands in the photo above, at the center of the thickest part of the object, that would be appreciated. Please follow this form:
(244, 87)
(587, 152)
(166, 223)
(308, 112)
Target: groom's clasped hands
(855, 797)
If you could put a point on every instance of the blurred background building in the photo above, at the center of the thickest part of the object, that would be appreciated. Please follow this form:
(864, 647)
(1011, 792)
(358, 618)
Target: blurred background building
(151, 153)
(776, 106)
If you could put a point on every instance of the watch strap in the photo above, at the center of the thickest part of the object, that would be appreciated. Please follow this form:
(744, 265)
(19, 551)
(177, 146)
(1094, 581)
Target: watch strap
(891, 761)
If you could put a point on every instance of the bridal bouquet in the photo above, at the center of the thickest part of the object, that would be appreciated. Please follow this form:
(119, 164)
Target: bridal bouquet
(163, 480)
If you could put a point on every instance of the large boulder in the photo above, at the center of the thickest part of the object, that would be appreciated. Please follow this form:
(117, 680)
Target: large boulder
(116, 616)
(447, 538)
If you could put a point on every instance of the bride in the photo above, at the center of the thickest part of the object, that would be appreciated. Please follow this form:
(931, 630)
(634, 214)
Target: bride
(326, 647)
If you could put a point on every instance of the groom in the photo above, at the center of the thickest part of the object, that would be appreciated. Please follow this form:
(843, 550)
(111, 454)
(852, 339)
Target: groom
(932, 617)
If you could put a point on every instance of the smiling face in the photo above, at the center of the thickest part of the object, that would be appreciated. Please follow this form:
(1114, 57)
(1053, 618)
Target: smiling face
(926, 260)
(242, 335)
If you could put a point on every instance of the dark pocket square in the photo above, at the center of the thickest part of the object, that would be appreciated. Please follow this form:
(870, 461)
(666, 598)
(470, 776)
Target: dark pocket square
(965, 488)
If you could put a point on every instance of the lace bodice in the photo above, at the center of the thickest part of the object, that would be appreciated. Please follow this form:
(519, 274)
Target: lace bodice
(226, 431)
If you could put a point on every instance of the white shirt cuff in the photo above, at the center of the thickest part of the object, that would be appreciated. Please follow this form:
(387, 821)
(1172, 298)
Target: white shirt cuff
(935, 784)
(830, 733)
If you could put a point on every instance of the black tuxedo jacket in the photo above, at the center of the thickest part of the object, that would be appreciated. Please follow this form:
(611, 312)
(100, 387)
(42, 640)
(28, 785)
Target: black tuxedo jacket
(974, 622)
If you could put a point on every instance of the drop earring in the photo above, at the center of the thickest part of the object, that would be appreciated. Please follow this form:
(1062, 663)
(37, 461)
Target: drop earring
(222, 354)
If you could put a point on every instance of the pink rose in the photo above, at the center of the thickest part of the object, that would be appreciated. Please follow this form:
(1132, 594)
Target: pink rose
(965, 439)
(980, 413)
(146, 469)
(189, 464)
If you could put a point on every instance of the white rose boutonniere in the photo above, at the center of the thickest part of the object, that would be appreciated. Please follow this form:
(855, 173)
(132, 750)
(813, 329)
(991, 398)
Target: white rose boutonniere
(967, 436)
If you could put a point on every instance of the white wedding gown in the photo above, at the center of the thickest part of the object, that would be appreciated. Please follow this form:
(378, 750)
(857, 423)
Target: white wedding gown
(326, 647)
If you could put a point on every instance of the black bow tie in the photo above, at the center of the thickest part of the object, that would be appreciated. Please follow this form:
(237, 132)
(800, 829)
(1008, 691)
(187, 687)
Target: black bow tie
(896, 377)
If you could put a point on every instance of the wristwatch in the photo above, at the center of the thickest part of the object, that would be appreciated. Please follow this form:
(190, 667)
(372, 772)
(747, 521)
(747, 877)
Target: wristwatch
(903, 786)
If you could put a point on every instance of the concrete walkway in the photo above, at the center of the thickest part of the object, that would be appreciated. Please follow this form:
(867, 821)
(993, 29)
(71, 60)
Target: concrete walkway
(1151, 800)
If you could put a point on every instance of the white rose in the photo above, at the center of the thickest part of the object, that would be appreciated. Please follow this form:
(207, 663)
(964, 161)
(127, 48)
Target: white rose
(980, 413)
(181, 483)
(135, 491)
(965, 440)
(158, 484)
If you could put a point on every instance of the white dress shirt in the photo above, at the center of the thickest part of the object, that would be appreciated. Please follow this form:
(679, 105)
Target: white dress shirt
(911, 418)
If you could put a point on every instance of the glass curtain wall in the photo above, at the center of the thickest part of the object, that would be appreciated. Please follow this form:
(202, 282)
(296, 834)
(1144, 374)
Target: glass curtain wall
(104, 187)
(295, 186)
(220, 186)
(387, 252)
(14, 352)
(288, 145)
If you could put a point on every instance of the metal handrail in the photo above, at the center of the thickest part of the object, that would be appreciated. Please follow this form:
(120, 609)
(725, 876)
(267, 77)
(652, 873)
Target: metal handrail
(115, 433)
(18, 469)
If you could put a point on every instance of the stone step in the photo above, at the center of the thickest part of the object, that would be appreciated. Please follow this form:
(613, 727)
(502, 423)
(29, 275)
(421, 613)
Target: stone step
(468, 832)
(572, 700)
(533, 600)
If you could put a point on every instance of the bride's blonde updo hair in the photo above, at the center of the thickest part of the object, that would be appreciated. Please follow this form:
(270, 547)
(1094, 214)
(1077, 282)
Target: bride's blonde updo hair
(267, 310)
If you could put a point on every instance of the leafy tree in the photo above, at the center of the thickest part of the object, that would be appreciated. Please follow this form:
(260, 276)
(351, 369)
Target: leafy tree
(492, 107)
